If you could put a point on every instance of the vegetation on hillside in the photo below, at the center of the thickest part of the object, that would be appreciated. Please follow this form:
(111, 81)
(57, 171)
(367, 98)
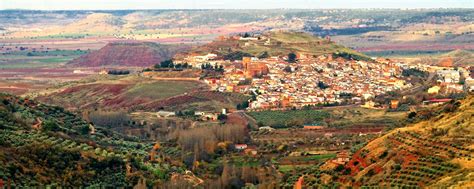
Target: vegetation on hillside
(435, 151)
(47, 146)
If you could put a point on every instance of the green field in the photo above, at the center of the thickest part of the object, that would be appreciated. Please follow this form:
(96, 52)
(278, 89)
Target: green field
(36, 59)
(320, 157)
(34, 62)
(405, 53)
(289, 118)
(50, 53)
(161, 89)
(289, 168)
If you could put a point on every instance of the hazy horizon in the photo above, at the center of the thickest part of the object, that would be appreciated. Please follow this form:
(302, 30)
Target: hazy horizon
(229, 4)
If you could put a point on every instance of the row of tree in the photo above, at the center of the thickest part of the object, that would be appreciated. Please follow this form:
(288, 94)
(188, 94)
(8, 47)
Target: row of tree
(170, 64)
(118, 72)
(203, 141)
(218, 68)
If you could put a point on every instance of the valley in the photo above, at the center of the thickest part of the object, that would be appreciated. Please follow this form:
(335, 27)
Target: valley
(237, 98)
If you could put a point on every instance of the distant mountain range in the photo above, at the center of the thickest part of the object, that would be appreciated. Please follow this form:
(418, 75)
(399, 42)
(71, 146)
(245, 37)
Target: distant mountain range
(367, 30)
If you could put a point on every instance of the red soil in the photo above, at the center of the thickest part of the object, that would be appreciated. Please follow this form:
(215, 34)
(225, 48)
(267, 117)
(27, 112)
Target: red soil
(134, 54)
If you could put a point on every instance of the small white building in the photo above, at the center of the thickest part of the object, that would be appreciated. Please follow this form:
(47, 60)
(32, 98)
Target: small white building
(240, 146)
(266, 128)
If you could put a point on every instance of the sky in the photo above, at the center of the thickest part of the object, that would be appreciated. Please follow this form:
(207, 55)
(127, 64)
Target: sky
(227, 4)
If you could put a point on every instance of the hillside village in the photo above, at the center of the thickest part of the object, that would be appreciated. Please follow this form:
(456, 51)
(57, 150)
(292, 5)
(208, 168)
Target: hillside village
(229, 98)
(310, 80)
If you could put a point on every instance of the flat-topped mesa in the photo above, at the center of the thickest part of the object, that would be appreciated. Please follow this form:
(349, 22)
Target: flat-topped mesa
(127, 53)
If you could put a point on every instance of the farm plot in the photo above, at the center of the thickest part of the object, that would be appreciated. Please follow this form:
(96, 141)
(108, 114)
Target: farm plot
(281, 119)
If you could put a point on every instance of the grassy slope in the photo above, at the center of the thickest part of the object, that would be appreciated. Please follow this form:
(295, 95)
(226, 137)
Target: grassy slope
(140, 93)
(436, 152)
(117, 92)
(281, 43)
(160, 89)
(363, 116)
(304, 42)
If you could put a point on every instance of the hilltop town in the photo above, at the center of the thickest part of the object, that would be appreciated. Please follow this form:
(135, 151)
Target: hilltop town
(300, 79)
(248, 99)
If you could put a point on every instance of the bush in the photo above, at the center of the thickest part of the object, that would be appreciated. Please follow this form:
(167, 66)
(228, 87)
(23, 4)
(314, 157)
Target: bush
(291, 57)
(414, 72)
(50, 125)
(84, 130)
(118, 72)
(322, 85)
(236, 55)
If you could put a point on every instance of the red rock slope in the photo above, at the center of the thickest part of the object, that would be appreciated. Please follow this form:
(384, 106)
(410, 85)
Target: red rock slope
(132, 54)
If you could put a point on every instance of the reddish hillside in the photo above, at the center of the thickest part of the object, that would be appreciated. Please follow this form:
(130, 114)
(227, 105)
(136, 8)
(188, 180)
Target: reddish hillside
(432, 153)
(133, 54)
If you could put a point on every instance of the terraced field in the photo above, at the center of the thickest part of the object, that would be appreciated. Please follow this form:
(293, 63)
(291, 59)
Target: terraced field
(435, 152)
(422, 161)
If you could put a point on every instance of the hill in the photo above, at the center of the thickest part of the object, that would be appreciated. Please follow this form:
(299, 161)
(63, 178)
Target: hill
(460, 57)
(95, 23)
(457, 57)
(452, 58)
(141, 93)
(275, 43)
(133, 54)
(436, 152)
(42, 145)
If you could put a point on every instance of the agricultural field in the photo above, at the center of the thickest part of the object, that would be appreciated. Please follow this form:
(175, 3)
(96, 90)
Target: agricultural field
(299, 152)
(23, 70)
(119, 91)
(432, 152)
(139, 93)
(289, 118)
(343, 117)
(21, 87)
(160, 90)
(37, 59)
(185, 74)
(334, 117)
(412, 38)
(459, 57)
